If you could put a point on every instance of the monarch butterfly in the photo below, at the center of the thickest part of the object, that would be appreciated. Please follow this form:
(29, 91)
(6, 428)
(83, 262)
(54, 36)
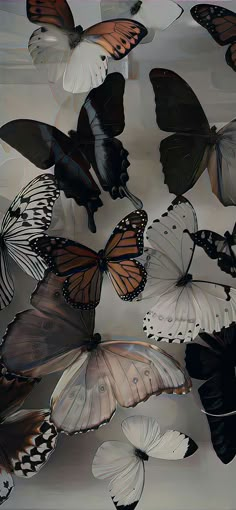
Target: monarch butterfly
(80, 56)
(221, 24)
(85, 268)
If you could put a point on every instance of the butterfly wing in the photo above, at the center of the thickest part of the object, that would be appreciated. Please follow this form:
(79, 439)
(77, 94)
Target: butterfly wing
(183, 155)
(116, 461)
(82, 288)
(101, 119)
(28, 438)
(221, 165)
(48, 338)
(6, 281)
(157, 16)
(6, 483)
(29, 216)
(45, 146)
(86, 67)
(116, 36)
(126, 242)
(230, 56)
(13, 392)
(144, 433)
(49, 49)
(55, 13)
(123, 372)
(216, 247)
(218, 21)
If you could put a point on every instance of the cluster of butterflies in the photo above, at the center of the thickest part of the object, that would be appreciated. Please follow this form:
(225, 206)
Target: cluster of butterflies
(58, 333)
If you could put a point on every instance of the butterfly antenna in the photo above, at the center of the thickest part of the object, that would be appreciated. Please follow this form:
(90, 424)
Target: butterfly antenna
(138, 204)
(231, 413)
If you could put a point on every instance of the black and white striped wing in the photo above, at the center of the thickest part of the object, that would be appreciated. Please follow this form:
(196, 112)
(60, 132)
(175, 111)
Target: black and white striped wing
(29, 216)
(6, 281)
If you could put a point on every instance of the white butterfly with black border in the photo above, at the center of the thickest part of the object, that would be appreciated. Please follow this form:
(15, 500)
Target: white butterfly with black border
(28, 216)
(184, 305)
(123, 463)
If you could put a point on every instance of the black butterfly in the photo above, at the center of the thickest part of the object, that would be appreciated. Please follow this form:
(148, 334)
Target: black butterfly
(194, 146)
(216, 365)
(221, 24)
(93, 144)
(218, 247)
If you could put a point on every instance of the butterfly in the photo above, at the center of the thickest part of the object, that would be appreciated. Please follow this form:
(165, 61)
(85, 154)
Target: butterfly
(185, 304)
(154, 15)
(80, 56)
(123, 463)
(84, 268)
(27, 437)
(29, 215)
(194, 146)
(221, 24)
(98, 374)
(215, 364)
(94, 144)
(218, 247)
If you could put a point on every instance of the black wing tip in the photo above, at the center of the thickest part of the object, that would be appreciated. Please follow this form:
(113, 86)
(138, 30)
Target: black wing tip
(192, 448)
(132, 506)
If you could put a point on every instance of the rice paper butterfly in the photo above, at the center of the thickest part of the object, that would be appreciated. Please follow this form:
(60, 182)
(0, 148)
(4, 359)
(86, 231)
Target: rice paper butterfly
(98, 374)
(123, 464)
(28, 216)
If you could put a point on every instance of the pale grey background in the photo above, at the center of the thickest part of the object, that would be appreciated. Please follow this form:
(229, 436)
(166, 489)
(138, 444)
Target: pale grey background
(201, 482)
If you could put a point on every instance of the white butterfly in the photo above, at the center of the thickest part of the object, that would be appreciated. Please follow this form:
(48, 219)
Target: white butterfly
(123, 463)
(79, 56)
(28, 216)
(155, 15)
(184, 305)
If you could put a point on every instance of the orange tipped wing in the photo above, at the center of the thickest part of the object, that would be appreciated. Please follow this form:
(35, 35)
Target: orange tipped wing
(117, 37)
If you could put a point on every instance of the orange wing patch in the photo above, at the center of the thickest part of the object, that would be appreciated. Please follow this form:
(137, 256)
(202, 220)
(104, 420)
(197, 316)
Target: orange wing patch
(83, 289)
(54, 12)
(117, 37)
(128, 278)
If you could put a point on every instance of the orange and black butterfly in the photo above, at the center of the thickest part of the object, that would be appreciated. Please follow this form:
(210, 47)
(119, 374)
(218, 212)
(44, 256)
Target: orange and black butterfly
(221, 24)
(85, 267)
(79, 56)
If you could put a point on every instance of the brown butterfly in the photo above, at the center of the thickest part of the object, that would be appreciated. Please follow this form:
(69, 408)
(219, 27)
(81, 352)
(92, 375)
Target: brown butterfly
(80, 56)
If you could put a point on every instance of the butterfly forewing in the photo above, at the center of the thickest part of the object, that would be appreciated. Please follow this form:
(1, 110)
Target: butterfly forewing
(54, 12)
(6, 281)
(118, 37)
(126, 240)
(220, 22)
(177, 107)
(13, 392)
